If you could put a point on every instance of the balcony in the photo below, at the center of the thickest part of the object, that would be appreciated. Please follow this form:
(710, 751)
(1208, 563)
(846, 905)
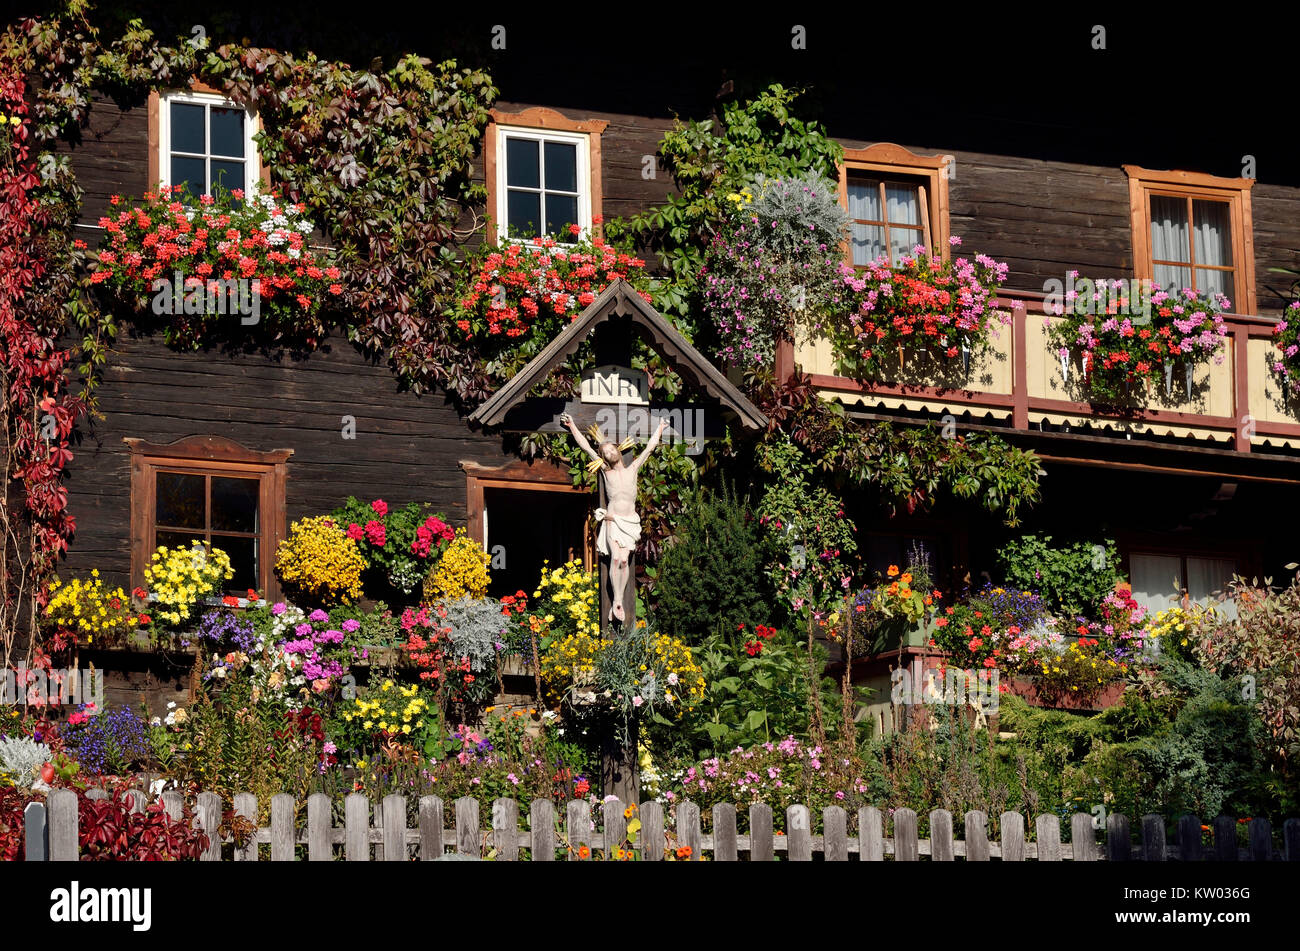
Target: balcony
(1019, 383)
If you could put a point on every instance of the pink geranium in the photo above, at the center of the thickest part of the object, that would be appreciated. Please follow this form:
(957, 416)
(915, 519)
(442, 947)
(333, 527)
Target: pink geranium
(375, 533)
(380, 507)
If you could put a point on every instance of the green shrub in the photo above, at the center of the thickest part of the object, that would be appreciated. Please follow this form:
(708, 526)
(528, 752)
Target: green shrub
(1072, 576)
(714, 575)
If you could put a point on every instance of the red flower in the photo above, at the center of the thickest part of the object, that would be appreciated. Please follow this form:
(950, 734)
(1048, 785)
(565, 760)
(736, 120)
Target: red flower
(582, 787)
(355, 531)
(753, 648)
(380, 507)
(230, 601)
(144, 619)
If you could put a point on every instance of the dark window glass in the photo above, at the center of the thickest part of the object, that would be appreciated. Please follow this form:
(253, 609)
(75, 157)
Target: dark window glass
(227, 132)
(243, 559)
(180, 502)
(177, 539)
(522, 163)
(234, 504)
(187, 128)
(188, 172)
(523, 213)
(561, 210)
(227, 175)
(562, 166)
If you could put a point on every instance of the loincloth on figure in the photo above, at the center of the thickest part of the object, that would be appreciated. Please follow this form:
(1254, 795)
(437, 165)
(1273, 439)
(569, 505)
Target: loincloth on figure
(622, 530)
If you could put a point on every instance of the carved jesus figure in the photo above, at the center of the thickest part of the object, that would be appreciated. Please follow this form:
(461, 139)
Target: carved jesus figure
(620, 526)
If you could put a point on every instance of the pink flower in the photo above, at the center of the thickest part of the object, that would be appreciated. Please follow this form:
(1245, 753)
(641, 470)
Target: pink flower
(380, 507)
(355, 532)
(375, 533)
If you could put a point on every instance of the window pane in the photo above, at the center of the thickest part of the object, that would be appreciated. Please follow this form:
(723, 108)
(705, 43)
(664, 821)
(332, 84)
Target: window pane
(227, 132)
(902, 241)
(903, 205)
(561, 210)
(179, 500)
(187, 128)
(1156, 585)
(227, 175)
(868, 243)
(1212, 281)
(1172, 278)
(243, 559)
(523, 213)
(1169, 229)
(864, 200)
(234, 504)
(1213, 233)
(562, 166)
(1207, 577)
(522, 163)
(177, 539)
(189, 172)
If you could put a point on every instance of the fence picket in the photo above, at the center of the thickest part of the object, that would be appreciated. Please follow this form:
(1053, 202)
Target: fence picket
(356, 824)
(1261, 840)
(724, 833)
(541, 829)
(282, 831)
(1291, 840)
(1225, 839)
(798, 834)
(835, 834)
(1049, 837)
(1189, 838)
(62, 806)
(36, 832)
(688, 828)
(652, 832)
(1013, 836)
(1083, 838)
(941, 849)
(467, 827)
(1119, 847)
(578, 827)
(431, 818)
(976, 835)
(173, 804)
(1153, 838)
(871, 835)
(906, 846)
(615, 828)
(762, 843)
(505, 829)
(395, 829)
(209, 820)
(318, 828)
(246, 807)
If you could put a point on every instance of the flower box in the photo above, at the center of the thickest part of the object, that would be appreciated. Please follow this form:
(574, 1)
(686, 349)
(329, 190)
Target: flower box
(1026, 687)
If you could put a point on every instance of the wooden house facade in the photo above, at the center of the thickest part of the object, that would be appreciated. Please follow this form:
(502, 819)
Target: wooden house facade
(1194, 489)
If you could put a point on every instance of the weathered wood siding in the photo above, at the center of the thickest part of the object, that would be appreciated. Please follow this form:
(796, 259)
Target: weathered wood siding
(408, 448)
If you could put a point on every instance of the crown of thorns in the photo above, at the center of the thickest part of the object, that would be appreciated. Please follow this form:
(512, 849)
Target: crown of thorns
(599, 439)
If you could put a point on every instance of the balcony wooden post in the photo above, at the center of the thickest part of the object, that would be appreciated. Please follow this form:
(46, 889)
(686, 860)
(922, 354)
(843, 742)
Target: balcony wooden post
(1020, 371)
(1241, 386)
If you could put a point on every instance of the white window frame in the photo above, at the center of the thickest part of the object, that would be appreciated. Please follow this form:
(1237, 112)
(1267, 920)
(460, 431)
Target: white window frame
(252, 125)
(581, 139)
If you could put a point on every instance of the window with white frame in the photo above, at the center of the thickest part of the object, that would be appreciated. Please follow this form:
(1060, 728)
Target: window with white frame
(206, 142)
(543, 182)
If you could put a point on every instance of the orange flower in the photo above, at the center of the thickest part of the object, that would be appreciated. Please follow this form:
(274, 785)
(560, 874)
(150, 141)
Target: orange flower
(907, 577)
(584, 852)
(684, 852)
(893, 570)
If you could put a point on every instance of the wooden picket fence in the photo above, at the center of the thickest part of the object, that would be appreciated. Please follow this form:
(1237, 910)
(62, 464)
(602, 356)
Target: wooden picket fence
(51, 833)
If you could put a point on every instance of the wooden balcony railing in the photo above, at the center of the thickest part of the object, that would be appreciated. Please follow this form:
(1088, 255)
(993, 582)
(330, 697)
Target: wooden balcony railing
(1019, 382)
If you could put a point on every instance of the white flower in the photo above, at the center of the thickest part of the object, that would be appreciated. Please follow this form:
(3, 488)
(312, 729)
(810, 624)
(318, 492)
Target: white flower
(294, 253)
(549, 714)
(171, 705)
